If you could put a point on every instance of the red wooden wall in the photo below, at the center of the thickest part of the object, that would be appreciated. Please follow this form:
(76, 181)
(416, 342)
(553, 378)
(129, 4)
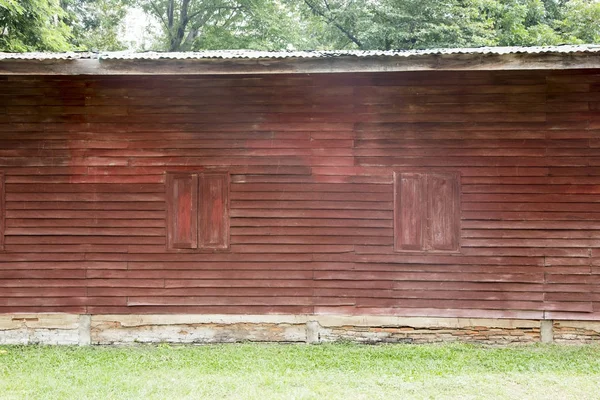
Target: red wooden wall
(311, 163)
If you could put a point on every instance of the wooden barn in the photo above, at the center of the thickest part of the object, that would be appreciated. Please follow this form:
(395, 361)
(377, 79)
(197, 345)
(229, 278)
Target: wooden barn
(422, 196)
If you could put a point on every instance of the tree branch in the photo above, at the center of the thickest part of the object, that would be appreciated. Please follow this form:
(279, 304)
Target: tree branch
(170, 11)
(159, 14)
(333, 22)
(195, 14)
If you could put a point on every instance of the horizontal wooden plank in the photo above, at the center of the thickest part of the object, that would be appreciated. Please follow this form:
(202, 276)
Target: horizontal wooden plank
(95, 197)
(426, 303)
(312, 239)
(247, 274)
(430, 294)
(37, 292)
(68, 214)
(300, 213)
(531, 233)
(469, 277)
(219, 301)
(85, 188)
(233, 283)
(433, 312)
(237, 291)
(32, 264)
(85, 240)
(440, 259)
(42, 274)
(200, 264)
(42, 283)
(269, 223)
(94, 231)
(62, 301)
(86, 223)
(129, 206)
(321, 196)
(210, 309)
(313, 231)
(292, 248)
(311, 205)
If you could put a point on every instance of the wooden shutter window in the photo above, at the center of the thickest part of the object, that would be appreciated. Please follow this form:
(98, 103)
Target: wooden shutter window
(2, 212)
(182, 211)
(409, 211)
(426, 212)
(443, 212)
(214, 211)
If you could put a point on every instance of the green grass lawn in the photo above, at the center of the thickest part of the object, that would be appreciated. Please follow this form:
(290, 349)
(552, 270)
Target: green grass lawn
(271, 371)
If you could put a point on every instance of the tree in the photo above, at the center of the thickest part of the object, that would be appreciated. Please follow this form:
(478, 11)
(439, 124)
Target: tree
(182, 21)
(417, 24)
(11, 5)
(403, 24)
(581, 21)
(259, 25)
(523, 22)
(429, 23)
(33, 25)
(59, 25)
(347, 18)
(95, 23)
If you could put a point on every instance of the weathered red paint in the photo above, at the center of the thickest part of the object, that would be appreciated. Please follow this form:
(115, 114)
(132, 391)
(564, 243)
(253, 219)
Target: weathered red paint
(214, 211)
(310, 164)
(182, 211)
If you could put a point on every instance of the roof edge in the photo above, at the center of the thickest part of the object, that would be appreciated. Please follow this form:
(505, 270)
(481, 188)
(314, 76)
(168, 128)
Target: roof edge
(293, 64)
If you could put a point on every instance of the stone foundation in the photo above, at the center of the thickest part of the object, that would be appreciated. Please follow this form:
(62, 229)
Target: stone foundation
(70, 329)
(576, 332)
(39, 329)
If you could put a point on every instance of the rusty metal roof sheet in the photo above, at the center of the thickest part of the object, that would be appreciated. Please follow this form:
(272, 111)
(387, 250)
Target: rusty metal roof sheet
(253, 54)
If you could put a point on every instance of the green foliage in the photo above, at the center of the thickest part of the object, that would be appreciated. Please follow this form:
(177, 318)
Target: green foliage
(522, 22)
(183, 21)
(31, 25)
(11, 5)
(95, 23)
(260, 25)
(217, 24)
(58, 25)
(581, 22)
(411, 24)
(431, 23)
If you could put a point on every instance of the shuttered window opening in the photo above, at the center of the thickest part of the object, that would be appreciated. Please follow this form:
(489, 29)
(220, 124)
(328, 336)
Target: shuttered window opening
(197, 211)
(426, 211)
(2, 211)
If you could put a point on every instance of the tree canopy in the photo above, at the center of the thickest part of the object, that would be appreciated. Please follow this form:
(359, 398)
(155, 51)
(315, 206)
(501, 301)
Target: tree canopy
(183, 25)
(28, 25)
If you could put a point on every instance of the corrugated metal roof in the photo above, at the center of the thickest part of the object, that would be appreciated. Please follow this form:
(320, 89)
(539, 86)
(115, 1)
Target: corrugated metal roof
(252, 54)
(219, 62)
(45, 56)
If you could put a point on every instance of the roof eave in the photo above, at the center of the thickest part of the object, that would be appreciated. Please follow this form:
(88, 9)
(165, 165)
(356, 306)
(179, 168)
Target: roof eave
(341, 64)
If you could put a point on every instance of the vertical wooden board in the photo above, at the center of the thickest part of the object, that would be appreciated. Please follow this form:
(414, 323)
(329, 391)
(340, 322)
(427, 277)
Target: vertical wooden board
(182, 211)
(409, 211)
(443, 212)
(214, 211)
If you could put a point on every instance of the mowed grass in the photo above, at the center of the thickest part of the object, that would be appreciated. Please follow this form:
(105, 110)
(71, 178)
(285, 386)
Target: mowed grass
(271, 371)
